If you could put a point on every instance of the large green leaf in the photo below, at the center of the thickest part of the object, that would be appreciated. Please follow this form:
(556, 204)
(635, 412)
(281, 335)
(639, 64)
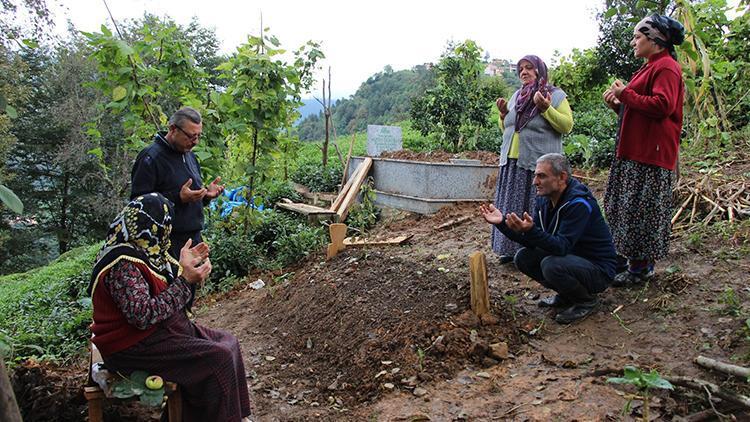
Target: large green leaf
(12, 113)
(654, 380)
(118, 93)
(11, 200)
(152, 397)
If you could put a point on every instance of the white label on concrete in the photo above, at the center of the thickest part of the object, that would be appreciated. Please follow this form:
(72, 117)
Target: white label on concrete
(383, 138)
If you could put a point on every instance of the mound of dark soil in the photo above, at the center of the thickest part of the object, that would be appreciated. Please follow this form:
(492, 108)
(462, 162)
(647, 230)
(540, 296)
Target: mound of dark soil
(368, 322)
(439, 156)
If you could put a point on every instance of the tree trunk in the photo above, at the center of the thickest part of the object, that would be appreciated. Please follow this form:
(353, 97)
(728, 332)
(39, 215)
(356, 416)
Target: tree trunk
(325, 144)
(63, 234)
(8, 407)
(252, 175)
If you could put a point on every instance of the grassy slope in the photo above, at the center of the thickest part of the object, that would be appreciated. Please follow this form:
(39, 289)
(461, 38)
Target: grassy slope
(45, 312)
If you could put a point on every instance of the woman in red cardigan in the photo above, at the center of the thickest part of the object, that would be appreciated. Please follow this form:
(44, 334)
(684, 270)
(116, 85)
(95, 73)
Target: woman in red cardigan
(139, 293)
(638, 200)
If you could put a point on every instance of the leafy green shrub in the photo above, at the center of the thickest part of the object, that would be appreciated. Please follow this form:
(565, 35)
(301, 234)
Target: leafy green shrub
(592, 141)
(596, 121)
(274, 190)
(45, 312)
(364, 215)
(258, 240)
(233, 255)
(317, 178)
(490, 139)
(584, 151)
(292, 247)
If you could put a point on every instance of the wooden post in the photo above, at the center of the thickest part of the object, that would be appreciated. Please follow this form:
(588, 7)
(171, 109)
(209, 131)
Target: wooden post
(8, 407)
(95, 398)
(480, 291)
(338, 233)
(174, 402)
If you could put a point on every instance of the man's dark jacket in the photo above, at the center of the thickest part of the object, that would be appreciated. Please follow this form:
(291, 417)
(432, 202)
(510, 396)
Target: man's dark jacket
(575, 226)
(160, 168)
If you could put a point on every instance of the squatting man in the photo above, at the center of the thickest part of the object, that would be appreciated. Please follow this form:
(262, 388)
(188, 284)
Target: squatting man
(567, 244)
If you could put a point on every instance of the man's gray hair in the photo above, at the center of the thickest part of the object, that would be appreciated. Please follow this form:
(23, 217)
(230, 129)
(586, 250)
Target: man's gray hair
(558, 162)
(185, 113)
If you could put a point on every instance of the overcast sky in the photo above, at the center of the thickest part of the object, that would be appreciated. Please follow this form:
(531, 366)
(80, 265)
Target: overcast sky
(359, 38)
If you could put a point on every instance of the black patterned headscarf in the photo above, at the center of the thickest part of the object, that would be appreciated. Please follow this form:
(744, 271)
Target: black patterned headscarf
(663, 30)
(525, 107)
(140, 233)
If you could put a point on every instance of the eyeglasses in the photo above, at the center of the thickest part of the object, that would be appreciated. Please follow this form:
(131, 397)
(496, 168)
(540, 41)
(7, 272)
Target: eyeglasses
(191, 137)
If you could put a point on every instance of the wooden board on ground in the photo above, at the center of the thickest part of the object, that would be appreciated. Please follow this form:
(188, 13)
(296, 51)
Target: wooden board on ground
(361, 241)
(309, 210)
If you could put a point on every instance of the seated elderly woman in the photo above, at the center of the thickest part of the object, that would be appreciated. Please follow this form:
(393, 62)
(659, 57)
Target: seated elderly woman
(139, 295)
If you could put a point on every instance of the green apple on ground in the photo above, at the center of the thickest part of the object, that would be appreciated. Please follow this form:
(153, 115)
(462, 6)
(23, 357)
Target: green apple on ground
(154, 382)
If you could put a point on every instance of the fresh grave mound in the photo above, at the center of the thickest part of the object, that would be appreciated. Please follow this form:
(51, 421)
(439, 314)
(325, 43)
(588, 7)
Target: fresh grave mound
(367, 322)
(486, 157)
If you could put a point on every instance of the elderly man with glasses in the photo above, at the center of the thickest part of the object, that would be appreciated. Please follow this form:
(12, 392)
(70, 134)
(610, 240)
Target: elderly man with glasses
(169, 166)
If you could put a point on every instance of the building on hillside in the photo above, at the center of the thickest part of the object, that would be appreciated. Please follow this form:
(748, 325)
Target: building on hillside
(497, 66)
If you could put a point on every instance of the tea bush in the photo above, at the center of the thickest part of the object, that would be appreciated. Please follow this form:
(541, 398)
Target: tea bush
(317, 178)
(264, 240)
(45, 312)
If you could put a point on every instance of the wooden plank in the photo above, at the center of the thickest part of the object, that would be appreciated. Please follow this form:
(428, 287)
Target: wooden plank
(480, 291)
(338, 233)
(174, 402)
(351, 196)
(305, 209)
(359, 241)
(345, 190)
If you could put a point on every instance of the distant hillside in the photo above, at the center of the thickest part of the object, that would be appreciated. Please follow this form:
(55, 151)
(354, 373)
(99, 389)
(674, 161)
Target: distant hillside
(310, 107)
(384, 98)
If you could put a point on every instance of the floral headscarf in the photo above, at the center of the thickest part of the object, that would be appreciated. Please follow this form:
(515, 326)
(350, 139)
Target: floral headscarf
(525, 107)
(140, 231)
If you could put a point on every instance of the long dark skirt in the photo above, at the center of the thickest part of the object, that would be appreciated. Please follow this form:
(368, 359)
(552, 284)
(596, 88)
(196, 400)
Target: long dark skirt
(205, 363)
(638, 206)
(514, 192)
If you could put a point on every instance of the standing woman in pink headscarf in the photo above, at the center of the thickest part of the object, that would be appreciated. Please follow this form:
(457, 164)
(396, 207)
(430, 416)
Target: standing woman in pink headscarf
(533, 122)
(638, 200)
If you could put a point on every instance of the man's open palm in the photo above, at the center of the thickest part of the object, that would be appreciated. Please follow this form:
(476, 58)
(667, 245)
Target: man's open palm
(491, 214)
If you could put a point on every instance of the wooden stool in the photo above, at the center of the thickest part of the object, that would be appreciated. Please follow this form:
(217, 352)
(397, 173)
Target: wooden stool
(96, 396)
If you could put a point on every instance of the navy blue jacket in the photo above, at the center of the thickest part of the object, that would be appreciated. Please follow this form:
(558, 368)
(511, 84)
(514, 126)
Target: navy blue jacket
(160, 168)
(575, 226)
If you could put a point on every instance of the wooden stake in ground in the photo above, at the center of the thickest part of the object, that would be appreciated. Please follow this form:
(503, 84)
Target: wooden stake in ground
(338, 233)
(8, 407)
(480, 291)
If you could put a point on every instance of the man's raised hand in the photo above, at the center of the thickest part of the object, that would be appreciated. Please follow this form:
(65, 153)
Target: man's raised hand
(491, 214)
(191, 195)
(517, 224)
(214, 189)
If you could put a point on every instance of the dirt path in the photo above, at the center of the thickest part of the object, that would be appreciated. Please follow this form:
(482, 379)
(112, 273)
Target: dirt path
(383, 333)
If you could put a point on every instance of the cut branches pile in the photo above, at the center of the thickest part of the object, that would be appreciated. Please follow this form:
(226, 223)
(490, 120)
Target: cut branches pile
(708, 199)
